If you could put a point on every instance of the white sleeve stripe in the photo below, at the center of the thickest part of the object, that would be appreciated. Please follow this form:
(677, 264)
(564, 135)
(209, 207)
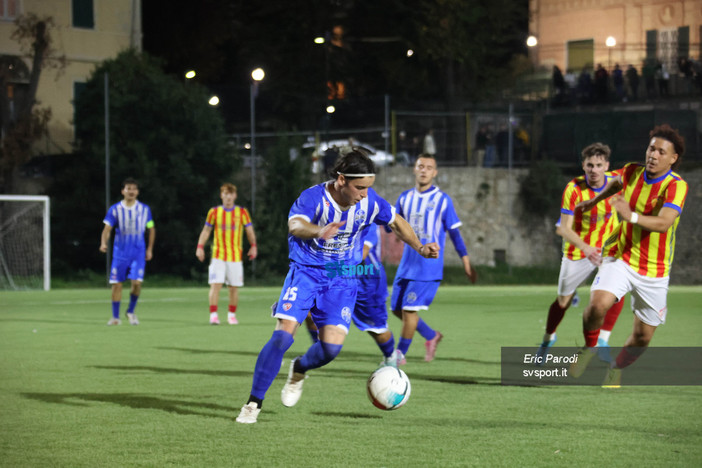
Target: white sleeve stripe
(392, 220)
(305, 217)
(456, 225)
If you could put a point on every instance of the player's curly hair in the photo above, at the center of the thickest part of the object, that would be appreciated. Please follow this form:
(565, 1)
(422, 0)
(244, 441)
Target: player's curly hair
(352, 160)
(596, 149)
(667, 132)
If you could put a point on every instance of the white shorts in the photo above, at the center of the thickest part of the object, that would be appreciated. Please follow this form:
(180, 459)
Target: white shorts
(229, 273)
(648, 295)
(573, 274)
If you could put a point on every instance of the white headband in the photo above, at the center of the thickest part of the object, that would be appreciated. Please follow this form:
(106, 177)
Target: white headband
(356, 175)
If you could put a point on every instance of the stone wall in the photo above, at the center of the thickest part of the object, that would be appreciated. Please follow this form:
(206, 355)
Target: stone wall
(487, 203)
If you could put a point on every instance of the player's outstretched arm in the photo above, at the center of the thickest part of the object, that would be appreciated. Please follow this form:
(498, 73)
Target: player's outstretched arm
(404, 231)
(612, 187)
(299, 227)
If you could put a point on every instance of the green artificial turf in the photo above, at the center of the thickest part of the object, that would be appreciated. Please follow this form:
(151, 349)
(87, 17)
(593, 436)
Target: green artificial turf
(76, 393)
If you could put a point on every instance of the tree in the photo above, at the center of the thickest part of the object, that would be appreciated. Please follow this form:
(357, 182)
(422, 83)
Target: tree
(285, 179)
(471, 42)
(163, 133)
(462, 51)
(23, 121)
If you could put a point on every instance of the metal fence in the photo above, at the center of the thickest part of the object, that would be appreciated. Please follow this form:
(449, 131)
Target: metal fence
(481, 137)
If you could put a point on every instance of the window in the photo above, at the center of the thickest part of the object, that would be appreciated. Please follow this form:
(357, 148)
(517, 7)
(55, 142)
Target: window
(684, 41)
(651, 44)
(581, 55)
(8, 9)
(83, 14)
(668, 48)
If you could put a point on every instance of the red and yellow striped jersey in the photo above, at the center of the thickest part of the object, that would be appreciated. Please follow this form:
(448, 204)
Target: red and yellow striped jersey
(646, 252)
(228, 227)
(594, 226)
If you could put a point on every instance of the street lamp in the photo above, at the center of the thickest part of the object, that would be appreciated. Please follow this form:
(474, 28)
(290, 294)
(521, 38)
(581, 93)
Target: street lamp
(190, 74)
(258, 74)
(531, 43)
(610, 42)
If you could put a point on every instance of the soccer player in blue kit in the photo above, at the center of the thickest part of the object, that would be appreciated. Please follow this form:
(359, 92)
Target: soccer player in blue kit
(130, 219)
(431, 214)
(324, 223)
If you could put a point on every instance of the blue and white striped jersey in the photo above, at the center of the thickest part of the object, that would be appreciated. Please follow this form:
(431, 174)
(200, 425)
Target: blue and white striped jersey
(129, 225)
(430, 214)
(317, 206)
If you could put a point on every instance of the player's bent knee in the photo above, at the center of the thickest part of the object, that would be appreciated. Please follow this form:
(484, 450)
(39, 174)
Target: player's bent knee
(282, 340)
(331, 351)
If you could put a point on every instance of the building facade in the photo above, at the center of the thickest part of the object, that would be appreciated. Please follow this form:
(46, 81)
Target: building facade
(577, 34)
(85, 32)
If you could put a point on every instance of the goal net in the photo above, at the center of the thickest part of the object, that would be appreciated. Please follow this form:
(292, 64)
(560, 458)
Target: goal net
(24, 242)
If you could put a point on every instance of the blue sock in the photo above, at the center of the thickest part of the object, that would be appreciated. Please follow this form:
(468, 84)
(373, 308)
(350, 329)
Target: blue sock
(425, 330)
(314, 335)
(115, 309)
(269, 361)
(388, 347)
(317, 355)
(404, 345)
(132, 303)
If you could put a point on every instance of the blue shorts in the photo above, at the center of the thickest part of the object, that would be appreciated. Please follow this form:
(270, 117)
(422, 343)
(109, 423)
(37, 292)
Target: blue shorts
(309, 289)
(371, 313)
(371, 316)
(412, 295)
(134, 264)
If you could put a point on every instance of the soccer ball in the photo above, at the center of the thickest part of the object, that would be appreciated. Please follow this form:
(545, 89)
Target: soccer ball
(388, 388)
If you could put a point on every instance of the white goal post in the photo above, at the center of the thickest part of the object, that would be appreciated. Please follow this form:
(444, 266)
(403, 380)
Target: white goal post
(25, 243)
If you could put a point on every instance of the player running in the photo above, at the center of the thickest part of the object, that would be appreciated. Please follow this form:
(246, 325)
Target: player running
(325, 223)
(583, 237)
(639, 262)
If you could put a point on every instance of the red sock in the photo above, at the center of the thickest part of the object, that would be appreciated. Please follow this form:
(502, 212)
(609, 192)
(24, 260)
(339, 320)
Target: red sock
(232, 309)
(627, 356)
(555, 315)
(591, 337)
(612, 315)
(213, 308)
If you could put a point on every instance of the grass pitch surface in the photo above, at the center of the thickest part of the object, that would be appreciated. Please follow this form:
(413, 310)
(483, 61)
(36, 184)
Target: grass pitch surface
(74, 392)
